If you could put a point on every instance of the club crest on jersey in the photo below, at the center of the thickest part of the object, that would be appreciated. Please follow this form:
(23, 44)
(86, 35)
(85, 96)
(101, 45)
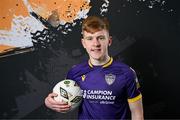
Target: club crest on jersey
(110, 78)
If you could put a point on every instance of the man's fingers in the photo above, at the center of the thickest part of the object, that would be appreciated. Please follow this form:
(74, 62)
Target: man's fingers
(61, 110)
(52, 95)
(54, 102)
(61, 106)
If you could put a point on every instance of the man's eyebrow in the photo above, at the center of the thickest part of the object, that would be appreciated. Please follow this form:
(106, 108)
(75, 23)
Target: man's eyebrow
(94, 36)
(101, 36)
(87, 36)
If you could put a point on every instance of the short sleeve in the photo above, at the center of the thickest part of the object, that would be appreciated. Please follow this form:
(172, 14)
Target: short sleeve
(132, 89)
(69, 75)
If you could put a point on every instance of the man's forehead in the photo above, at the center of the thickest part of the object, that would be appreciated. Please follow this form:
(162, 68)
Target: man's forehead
(98, 33)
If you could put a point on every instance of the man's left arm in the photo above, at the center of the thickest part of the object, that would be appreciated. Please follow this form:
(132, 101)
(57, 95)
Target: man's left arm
(136, 109)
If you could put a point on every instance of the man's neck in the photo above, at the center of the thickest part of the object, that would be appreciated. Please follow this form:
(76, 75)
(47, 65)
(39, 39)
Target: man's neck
(99, 62)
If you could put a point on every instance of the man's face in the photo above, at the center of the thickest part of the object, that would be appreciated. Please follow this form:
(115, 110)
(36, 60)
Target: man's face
(96, 44)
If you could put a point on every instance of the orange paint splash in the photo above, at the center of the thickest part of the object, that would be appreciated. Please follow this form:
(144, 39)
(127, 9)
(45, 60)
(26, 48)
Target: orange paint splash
(67, 9)
(9, 8)
(5, 47)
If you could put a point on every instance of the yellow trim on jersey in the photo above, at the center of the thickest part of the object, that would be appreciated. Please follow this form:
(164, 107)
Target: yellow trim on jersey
(89, 62)
(135, 98)
(105, 65)
(108, 63)
(138, 85)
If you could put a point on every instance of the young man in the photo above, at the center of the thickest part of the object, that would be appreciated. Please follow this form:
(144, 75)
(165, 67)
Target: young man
(109, 87)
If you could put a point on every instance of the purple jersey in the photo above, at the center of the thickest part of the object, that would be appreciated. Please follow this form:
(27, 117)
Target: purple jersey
(106, 89)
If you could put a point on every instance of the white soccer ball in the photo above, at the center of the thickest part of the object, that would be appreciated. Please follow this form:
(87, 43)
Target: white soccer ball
(68, 91)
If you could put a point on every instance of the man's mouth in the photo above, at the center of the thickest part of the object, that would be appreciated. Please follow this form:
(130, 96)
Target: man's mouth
(96, 50)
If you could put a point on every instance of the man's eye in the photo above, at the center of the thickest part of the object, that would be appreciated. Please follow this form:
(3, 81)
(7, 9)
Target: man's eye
(88, 38)
(101, 38)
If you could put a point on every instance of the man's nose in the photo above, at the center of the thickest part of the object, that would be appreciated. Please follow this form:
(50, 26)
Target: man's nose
(96, 42)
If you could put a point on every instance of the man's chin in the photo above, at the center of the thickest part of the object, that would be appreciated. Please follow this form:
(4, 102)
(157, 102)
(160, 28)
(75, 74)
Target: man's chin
(96, 57)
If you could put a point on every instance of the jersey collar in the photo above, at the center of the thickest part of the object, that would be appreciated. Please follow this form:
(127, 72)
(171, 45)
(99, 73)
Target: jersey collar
(105, 65)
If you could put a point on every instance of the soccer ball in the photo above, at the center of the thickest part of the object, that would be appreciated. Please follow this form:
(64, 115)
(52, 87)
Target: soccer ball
(68, 91)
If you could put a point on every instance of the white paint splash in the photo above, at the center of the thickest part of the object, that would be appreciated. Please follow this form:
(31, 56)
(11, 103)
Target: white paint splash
(161, 4)
(82, 14)
(104, 7)
(28, 6)
(20, 33)
(151, 3)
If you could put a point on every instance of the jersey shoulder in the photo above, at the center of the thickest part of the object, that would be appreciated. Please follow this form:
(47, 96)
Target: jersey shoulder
(123, 68)
(78, 69)
(120, 66)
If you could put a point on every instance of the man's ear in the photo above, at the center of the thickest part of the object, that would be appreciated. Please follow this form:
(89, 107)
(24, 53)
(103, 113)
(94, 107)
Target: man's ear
(110, 40)
(82, 42)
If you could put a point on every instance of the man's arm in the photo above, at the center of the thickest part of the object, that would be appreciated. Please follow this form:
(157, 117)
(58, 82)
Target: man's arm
(136, 110)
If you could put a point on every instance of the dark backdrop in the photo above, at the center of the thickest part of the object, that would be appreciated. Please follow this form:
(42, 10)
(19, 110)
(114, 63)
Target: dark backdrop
(144, 37)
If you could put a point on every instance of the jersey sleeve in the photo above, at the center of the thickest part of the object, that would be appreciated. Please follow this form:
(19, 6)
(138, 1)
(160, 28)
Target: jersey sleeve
(133, 93)
(69, 75)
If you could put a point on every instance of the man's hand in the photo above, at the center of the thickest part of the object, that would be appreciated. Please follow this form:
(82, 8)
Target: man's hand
(58, 106)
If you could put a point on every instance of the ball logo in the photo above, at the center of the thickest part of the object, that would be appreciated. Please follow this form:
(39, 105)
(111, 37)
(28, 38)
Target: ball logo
(63, 93)
(69, 92)
(66, 82)
(76, 99)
